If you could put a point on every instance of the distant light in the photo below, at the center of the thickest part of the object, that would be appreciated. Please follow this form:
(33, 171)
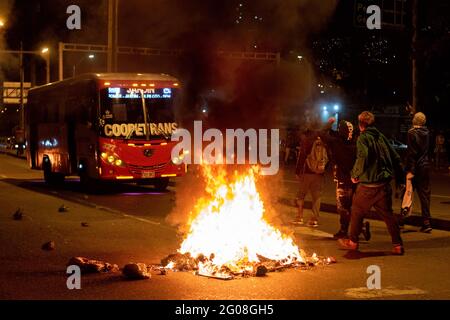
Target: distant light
(322, 92)
(325, 108)
(300, 57)
(91, 56)
(44, 50)
(336, 107)
(204, 110)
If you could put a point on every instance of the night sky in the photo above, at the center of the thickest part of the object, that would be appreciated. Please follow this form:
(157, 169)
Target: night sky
(362, 69)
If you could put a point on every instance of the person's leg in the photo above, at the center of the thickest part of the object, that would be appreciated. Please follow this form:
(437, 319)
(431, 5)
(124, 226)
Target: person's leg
(422, 185)
(286, 155)
(316, 191)
(383, 206)
(362, 202)
(343, 204)
(303, 189)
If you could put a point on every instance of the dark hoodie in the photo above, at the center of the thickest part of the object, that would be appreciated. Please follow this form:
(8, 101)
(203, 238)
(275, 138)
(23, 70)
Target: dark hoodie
(343, 150)
(418, 144)
(376, 160)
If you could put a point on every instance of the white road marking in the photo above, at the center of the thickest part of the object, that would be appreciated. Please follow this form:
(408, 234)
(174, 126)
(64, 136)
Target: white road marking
(440, 196)
(365, 293)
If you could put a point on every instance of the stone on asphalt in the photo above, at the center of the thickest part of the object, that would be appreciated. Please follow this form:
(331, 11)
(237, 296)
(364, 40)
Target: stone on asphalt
(48, 246)
(63, 208)
(18, 215)
(261, 271)
(136, 271)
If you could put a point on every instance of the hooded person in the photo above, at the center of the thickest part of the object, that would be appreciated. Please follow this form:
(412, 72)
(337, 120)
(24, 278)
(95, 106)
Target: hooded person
(342, 145)
(417, 166)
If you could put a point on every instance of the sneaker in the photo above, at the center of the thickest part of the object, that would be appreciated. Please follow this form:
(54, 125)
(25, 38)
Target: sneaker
(313, 223)
(398, 250)
(348, 244)
(340, 235)
(426, 229)
(298, 221)
(366, 231)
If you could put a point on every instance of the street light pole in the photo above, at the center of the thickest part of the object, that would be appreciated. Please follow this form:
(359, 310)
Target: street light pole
(47, 68)
(22, 78)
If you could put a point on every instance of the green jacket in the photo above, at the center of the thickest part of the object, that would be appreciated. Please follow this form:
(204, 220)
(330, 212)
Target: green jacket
(376, 160)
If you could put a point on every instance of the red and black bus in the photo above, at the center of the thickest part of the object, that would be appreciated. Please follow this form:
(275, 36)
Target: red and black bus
(107, 127)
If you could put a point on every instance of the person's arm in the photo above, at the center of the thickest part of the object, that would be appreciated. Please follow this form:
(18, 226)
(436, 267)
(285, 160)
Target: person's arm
(397, 164)
(299, 168)
(411, 154)
(362, 153)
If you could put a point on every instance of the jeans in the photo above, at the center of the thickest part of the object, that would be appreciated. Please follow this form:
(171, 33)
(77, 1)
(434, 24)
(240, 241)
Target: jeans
(344, 197)
(381, 199)
(421, 183)
(311, 183)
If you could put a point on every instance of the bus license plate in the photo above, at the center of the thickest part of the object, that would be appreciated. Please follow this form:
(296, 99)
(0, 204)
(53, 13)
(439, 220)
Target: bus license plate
(148, 174)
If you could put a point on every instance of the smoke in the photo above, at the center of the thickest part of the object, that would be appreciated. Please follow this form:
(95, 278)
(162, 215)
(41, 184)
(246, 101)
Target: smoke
(241, 93)
(5, 59)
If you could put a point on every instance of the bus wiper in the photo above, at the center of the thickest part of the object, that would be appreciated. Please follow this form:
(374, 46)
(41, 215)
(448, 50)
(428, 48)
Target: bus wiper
(144, 109)
(128, 137)
(165, 135)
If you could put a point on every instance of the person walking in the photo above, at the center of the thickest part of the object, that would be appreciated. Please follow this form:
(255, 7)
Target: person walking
(439, 151)
(375, 166)
(418, 166)
(343, 155)
(310, 169)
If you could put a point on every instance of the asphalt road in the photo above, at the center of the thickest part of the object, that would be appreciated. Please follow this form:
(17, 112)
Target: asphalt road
(127, 224)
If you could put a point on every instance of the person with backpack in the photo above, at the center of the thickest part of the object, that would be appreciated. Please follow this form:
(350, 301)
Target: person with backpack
(375, 166)
(310, 169)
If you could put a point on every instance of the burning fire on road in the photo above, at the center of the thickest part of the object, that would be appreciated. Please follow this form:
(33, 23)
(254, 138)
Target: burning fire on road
(228, 235)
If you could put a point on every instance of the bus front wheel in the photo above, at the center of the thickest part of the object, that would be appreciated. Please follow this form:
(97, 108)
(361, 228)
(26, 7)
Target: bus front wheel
(161, 184)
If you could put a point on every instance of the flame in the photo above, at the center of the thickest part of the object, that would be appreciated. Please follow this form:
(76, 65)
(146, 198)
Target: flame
(228, 227)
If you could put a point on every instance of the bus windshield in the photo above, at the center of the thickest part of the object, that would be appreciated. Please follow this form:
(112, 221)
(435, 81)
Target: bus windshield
(122, 113)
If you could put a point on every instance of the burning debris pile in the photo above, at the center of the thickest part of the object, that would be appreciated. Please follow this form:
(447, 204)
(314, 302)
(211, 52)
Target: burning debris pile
(228, 235)
(203, 266)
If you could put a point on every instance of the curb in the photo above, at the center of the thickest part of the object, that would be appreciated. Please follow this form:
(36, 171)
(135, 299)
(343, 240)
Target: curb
(413, 220)
(13, 154)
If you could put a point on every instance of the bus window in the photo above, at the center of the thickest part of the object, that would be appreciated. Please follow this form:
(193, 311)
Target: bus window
(124, 106)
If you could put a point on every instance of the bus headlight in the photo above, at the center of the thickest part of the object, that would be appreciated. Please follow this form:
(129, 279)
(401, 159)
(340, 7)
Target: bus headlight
(112, 159)
(178, 160)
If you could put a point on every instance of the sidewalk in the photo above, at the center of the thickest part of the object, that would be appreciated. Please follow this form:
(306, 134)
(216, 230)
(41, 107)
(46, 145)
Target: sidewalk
(440, 198)
(12, 153)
